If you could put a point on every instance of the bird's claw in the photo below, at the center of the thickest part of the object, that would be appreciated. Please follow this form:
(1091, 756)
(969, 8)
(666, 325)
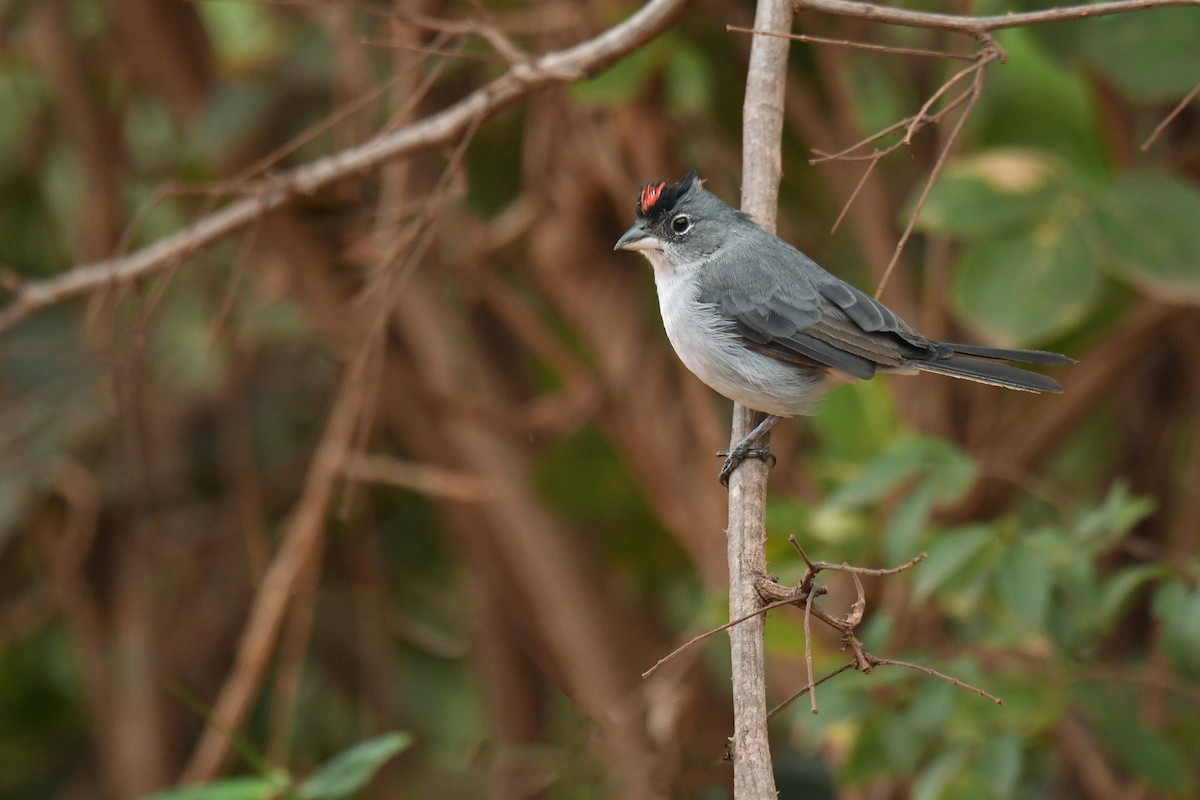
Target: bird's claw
(734, 458)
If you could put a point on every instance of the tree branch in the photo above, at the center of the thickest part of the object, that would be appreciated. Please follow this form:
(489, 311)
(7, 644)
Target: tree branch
(562, 66)
(762, 129)
(975, 25)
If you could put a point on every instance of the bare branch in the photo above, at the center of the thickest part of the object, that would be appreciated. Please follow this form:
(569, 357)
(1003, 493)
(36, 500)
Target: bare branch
(877, 48)
(424, 478)
(847, 154)
(562, 66)
(844, 567)
(885, 662)
(700, 637)
(862, 181)
(817, 566)
(811, 685)
(975, 25)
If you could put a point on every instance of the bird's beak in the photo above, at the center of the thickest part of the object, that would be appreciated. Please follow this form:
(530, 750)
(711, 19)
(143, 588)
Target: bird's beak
(636, 238)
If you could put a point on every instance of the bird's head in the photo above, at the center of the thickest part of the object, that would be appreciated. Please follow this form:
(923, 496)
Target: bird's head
(678, 223)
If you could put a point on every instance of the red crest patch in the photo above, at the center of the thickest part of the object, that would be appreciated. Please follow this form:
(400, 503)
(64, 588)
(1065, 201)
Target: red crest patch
(650, 195)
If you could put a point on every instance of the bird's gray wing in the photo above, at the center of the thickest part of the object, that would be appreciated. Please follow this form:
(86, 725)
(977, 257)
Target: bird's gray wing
(786, 306)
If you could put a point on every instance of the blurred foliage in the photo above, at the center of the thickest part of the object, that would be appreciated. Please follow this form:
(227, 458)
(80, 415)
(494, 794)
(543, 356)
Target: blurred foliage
(342, 776)
(173, 421)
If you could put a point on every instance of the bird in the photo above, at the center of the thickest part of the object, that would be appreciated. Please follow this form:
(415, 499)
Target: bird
(766, 326)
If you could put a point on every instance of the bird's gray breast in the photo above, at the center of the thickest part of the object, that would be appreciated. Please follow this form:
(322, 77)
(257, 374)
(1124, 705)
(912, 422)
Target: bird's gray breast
(706, 340)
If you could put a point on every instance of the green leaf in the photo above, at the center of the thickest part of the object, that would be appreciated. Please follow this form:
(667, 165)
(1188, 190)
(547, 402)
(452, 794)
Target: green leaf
(1181, 631)
(869, 756)
(1034, 102)
(350, 770)
(856, 420)
(933, 781)
(878, 477)
(947, 556)
(1118, 591)
(1000, 766)
(255, 787)
(947, 469)
(931, 708)
(999, 191)
(1152, 55)
(788, 514)
(244, 35)
(1145, 228)
(1029, 287)
(907, 522)
(1101, 527)
(1024, 582)
(951, 470)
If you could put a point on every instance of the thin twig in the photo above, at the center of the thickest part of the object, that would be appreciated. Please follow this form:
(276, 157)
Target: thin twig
(885, 662)
(974, 25)
(878, 48)
(973, 95)
(225, 307)
(854, 195)
(811, 685)
(872, 571)
(817, 566)
(463, 55)
(702, 636)
(919, 119)
(795, 543)
(845, 154)
(389, 279)
(1175, 112)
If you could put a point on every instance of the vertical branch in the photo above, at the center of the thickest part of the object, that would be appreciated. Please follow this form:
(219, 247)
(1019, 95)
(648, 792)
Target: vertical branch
(762, 128)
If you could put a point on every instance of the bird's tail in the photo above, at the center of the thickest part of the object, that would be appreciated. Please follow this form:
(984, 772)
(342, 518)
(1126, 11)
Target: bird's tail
(988, 365)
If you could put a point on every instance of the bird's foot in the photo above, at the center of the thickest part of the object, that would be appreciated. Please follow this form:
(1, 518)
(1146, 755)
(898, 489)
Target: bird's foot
(735, 457)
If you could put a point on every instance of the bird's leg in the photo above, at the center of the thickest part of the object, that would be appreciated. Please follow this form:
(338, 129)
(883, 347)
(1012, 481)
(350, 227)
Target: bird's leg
(742, 450)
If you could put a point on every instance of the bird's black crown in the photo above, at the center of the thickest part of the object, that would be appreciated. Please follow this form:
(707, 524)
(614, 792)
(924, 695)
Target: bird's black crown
(657, 199)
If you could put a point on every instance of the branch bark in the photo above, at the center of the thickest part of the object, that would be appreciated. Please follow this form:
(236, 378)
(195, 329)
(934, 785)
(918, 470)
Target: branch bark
(974, 25)
(559, 67)
(762, 129)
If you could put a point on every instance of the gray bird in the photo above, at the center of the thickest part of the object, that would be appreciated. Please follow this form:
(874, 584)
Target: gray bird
(768, 327)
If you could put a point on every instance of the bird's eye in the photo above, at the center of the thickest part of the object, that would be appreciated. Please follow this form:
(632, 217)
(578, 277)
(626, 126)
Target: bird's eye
(681, 224)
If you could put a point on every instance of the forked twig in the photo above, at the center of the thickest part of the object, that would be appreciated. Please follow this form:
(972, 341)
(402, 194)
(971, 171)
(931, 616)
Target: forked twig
(988, 52)
(804, 594)
(991, 53)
